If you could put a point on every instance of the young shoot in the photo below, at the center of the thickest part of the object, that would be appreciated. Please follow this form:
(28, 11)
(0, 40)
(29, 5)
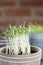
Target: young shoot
(18, 40)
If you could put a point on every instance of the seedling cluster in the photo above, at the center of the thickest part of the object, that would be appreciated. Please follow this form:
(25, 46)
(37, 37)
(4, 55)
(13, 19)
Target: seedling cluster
(18, 40)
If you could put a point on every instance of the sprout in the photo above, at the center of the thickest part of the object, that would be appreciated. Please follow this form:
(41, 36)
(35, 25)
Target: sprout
(18, 40)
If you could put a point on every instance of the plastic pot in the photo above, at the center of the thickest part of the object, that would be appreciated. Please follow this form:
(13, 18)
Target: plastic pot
(37, 40)
(33, 58)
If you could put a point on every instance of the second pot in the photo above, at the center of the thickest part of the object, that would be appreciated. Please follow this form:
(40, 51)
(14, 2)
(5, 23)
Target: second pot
(37, 40)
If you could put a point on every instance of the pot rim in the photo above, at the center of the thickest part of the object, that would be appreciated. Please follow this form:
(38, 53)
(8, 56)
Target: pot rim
(22, 56)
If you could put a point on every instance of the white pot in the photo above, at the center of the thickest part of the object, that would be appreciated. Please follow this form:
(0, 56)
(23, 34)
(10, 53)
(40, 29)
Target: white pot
(31, 59)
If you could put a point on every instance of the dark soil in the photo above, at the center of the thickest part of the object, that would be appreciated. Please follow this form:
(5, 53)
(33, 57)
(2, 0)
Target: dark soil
(33, 50)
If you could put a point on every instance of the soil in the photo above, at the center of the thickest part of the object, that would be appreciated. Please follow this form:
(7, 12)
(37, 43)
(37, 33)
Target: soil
(33, 50)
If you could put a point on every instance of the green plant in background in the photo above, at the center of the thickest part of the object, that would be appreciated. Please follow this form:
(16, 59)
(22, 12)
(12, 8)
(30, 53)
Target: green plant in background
(18, 40)
(36, 28)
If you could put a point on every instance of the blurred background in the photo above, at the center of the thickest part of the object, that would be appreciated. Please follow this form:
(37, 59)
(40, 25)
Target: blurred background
(15, 12)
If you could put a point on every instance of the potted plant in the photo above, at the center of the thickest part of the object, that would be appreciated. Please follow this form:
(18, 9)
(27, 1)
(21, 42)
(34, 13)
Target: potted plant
(18, 50)
(36, 36)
